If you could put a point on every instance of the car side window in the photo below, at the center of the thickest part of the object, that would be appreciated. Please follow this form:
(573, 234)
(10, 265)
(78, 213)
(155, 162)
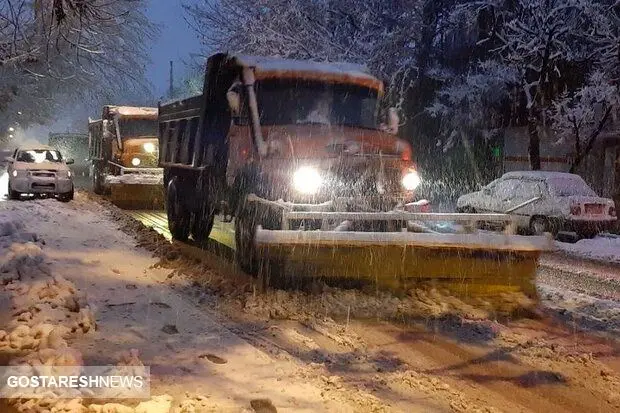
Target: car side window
(505, 189)
(527, 190)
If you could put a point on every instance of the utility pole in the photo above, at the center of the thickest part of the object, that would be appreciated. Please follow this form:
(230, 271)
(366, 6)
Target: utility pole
(171, 91)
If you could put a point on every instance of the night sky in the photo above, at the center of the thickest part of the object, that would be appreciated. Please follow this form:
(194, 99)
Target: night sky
(176, 42)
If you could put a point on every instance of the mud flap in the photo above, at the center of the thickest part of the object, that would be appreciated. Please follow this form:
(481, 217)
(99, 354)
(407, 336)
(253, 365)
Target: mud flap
(493, 270)
(137, 196)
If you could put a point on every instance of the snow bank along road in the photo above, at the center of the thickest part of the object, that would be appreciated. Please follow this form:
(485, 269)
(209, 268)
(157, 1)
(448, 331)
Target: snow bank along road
(216, 343)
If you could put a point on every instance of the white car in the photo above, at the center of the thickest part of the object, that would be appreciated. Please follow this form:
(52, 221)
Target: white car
(39, 170)
(544, 202)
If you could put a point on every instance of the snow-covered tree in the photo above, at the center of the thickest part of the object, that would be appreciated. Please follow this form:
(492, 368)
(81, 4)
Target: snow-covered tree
(55, 49)
(387, 37)
(581, 115)
(547, 43)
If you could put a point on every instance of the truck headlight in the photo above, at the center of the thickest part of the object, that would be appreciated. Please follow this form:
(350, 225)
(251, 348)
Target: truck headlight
(135, 161)
(411, 180)
(307, 180)
(149, 147)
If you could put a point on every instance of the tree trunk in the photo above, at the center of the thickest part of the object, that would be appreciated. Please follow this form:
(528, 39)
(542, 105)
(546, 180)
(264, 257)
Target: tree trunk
(580, 156)
(533, 149)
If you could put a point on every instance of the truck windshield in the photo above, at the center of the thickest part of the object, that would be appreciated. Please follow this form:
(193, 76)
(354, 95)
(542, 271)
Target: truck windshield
(297, 102)
(39, 156)
(131, 128)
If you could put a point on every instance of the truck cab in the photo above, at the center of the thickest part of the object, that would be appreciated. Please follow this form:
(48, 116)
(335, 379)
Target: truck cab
(281, 130)
(124, 150)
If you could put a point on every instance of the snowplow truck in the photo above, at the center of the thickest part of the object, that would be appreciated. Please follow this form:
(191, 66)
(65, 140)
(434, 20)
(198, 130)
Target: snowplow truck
(292, 150)
(124, 153)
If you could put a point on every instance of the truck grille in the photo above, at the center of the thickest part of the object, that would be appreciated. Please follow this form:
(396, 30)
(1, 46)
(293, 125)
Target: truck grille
(43, 174)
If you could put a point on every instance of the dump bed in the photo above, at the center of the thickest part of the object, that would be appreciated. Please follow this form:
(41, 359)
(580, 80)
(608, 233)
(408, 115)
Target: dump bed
(179, 124)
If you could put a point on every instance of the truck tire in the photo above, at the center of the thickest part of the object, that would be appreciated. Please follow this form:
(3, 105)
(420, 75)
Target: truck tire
(202, 219)
(202, 223)
(179, 216)
(98, 187)
(245, 230)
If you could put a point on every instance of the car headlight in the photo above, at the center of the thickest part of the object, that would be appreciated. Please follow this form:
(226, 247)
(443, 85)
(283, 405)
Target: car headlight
(14, 173)
(68, 174)
(411, 180)
(149, 147)
(135, 161)
(307, 180)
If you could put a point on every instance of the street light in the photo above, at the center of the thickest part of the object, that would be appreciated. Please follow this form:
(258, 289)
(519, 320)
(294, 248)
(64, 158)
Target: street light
(11, 129)
(10, 136)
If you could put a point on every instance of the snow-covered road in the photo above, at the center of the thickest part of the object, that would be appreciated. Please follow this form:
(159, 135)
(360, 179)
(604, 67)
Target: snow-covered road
(192, 357)
(215, 344)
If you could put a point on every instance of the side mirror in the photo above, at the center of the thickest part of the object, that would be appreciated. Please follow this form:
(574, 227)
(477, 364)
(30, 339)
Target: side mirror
(9, 159)
(393, 120)
(234, 103)
(69, 161)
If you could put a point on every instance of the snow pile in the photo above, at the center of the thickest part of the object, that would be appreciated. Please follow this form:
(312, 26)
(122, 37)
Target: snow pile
(46, 311)
(600, 248)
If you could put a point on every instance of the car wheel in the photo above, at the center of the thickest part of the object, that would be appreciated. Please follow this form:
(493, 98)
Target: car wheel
(466, 209)
(13, 195)
(588, 234)
(539, 225)
(66, 197)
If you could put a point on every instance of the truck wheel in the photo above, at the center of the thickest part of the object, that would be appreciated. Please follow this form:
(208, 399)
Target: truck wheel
(202, 219)
(245, 230)
(97, 182)
(202, 223)
(178, 214)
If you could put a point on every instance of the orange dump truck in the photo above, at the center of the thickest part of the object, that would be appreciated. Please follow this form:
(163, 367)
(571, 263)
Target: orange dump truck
(294, 152)
(124, 153)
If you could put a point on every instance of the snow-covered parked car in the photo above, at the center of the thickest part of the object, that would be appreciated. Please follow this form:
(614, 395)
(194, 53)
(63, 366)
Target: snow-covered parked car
(544, 202)
(39, 170)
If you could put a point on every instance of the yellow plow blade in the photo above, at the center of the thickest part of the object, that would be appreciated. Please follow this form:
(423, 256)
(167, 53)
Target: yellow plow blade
(495, 269)
(137, 196)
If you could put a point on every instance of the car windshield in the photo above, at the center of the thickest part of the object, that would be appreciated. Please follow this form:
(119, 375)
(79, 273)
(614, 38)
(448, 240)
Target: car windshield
(569, 187)
(39, 156)
(295, 102)
(137, 127)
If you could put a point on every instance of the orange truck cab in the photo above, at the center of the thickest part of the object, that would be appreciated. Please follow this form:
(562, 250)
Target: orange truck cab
(124, 150)
(267, 132)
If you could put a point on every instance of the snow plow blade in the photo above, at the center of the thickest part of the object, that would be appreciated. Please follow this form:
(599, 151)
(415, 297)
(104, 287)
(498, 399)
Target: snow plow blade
(492, 270)
(137, 196)
(137, 188)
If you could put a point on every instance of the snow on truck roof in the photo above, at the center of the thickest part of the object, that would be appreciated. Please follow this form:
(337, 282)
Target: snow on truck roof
(544, 175)
(134, 111)
(340, 72)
